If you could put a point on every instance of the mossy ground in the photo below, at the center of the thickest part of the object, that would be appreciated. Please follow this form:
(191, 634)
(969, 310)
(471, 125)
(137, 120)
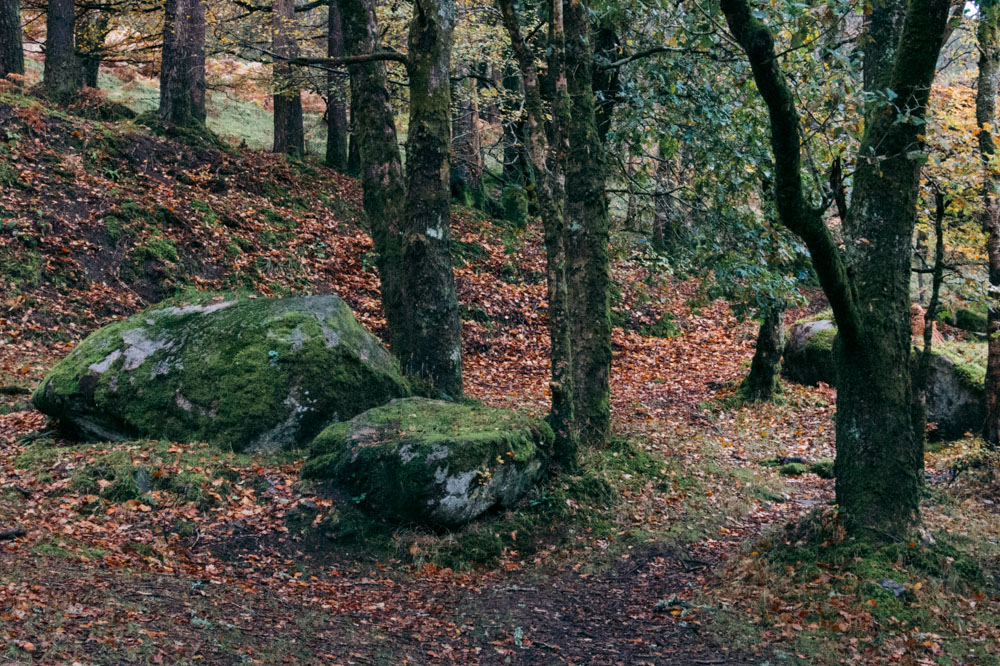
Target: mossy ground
(818, 596)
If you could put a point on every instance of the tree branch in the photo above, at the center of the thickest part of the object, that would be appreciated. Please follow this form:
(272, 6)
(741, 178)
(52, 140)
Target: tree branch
(794, 210)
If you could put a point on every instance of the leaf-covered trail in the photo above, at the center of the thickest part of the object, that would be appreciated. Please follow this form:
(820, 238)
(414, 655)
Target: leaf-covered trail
(120, 584)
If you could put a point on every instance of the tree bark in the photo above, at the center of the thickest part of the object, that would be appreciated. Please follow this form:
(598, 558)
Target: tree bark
(665, 233)
(384, 191)
(588, 224)
(547, 162)
(883, 25)
(879, 463)
(336, 105)
(61, 78)
(182, 74)
(435, 345)
(11, 47)
(353, 152)
(90, 35)
(763, 383)
(986, 114)
(467, 146)
(289, 136)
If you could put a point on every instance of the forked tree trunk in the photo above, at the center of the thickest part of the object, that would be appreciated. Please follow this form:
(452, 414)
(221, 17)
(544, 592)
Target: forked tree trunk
(182, 74)
(879, 465)
(289, 137)
(588, 224)
(986, 117)
(61, 78)
(435, 346)
(11, 47)
(762, 384)
(373, 134)
(336, 106)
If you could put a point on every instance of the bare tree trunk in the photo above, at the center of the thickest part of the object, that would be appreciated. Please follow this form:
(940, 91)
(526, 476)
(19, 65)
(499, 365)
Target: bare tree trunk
(373, 134)
(588, 224)
(353, 152)
(547, 162)
(763, 382)
(11, 47)
(986, 112)
(90, 35)
(182, 74)
(467, 146)
(435, 346)
(289, 137)
(336, 104)
(61, 78)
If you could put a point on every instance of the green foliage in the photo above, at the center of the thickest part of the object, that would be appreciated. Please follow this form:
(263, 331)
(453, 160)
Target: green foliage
(664, 327)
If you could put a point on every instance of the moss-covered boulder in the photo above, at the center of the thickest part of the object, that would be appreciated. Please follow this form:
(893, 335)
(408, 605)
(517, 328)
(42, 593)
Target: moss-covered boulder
(956, 394)
(251, 374)
(808, 355)
(432, 462)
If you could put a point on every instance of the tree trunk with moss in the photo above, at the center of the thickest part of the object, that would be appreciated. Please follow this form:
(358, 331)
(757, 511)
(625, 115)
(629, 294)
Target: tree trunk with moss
(986, 117)
(336, 95)
(588, 238)
(435, 345)
(546, 160)
(879, 465)
(373, 133)
(11, 47)
(182, 74)
(762, 384)
(353, 151)
(467, 145)
(61, 78)
(289, 136)
(91, 32)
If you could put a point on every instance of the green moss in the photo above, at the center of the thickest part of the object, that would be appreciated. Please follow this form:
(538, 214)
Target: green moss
(463, 253)
(970, 320)
(793, 469)
(664, 327)
(824, 315)
(389, 455)
(230, 379)
(823, 468)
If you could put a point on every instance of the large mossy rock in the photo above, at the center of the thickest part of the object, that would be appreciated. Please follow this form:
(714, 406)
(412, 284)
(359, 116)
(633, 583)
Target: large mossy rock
(956, 394)
(432, 462)
(251, 374)
(808, 355)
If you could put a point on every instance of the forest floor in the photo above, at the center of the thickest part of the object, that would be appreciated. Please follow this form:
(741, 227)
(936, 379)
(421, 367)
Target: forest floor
(671, 546)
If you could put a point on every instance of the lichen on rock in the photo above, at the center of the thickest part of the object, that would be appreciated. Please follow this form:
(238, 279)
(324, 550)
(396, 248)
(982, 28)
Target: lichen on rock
(255, 374)
(433, 462)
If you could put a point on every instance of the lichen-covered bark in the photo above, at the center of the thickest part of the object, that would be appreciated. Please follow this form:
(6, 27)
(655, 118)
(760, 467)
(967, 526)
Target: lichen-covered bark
(61, 78)
(588, 238)
(547, 162)
(11, 47)
(883, 25)
(182, 74)
(336, 105)
(879, 451)
(986, 115)
(762, 383)
(374, 134)
(435, 346)
(289, 136)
